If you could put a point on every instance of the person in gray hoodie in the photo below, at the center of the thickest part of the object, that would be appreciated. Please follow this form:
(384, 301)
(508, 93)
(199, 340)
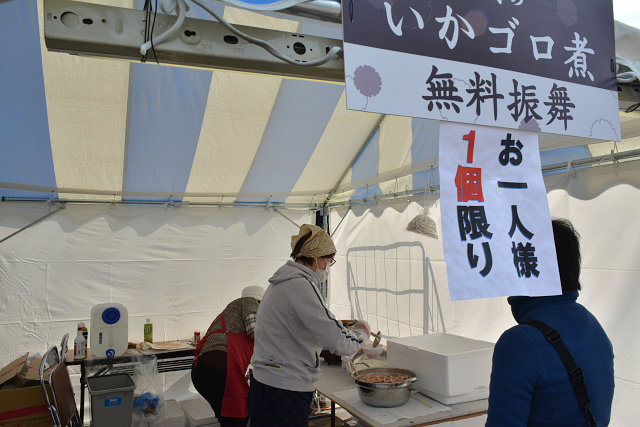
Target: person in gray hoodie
(293, 325)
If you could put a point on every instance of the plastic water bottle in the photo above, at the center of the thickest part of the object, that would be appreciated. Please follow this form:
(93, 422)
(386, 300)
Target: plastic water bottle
(85, 334)
(148, 331)
(79, 345)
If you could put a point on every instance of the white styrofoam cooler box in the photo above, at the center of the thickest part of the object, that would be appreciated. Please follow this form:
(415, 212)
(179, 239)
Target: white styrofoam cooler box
(173, 417)
(450, 368)
(198, 413)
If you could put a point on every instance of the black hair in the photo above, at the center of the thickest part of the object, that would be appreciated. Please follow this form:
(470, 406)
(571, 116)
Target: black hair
(568, 252)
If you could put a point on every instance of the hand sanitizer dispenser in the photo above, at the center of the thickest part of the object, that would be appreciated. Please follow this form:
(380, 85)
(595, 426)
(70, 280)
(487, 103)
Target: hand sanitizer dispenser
(109, 331)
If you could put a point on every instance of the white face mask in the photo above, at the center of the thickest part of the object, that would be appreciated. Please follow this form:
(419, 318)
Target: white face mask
(322, 275)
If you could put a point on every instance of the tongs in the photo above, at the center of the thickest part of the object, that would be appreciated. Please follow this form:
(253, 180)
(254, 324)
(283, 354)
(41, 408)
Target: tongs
(377, 337)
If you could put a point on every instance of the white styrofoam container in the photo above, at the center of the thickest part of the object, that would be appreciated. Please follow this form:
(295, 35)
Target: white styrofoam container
(450, 368)
(174, 416)
(198, 413)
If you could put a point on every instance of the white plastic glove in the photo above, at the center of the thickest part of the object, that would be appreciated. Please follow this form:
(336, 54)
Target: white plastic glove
(364, 328)
(370, 351)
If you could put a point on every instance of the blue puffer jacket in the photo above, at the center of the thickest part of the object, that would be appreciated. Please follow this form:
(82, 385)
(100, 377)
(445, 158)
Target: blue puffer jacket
(529, 383)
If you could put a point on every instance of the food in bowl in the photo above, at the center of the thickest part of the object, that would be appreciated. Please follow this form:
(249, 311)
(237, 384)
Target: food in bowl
(375, 391)
(384, 379)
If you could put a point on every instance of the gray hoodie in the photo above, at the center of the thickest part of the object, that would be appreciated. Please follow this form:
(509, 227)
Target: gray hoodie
(293, 326)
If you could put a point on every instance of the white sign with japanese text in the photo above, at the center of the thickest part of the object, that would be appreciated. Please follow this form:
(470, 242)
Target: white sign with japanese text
(496, 225)
(515, 64)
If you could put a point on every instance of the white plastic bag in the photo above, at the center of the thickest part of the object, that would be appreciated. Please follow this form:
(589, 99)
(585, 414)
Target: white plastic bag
(148, 397)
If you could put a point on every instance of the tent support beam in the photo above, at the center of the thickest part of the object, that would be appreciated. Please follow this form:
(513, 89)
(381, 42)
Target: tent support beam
(171, 204)
(108, 31)
(591, 161)
(614, 157)
(322, 10)
(31, 224)
(287, 218)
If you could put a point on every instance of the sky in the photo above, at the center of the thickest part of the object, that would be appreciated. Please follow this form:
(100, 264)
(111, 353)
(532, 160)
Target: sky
(627, 11)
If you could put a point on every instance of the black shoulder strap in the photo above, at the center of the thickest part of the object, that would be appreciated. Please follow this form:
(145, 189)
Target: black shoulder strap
(575, 373)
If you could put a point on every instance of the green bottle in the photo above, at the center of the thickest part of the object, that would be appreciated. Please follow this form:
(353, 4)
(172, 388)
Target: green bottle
(148, 331)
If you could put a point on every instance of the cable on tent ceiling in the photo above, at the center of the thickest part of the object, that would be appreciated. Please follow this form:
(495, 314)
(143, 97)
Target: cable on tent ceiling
(626, 71)
(333, 52)
(182, 8)
(149, 26)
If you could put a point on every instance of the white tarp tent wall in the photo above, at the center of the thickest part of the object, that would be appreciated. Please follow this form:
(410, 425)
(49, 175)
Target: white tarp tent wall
(181, 186)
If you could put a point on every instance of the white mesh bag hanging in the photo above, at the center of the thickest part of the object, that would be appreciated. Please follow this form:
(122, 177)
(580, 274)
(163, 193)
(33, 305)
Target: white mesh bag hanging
(423, 223)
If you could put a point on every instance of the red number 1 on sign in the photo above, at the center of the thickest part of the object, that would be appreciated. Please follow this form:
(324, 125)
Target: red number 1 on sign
(470, 138)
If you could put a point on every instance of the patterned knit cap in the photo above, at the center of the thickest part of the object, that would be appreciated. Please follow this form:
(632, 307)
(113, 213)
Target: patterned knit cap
(319, 244)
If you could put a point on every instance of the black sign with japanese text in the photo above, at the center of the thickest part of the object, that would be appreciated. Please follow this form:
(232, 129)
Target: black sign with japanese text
(542, 66)
(564, 40)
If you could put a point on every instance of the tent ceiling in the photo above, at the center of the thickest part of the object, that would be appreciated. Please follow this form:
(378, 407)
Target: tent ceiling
(103, 129)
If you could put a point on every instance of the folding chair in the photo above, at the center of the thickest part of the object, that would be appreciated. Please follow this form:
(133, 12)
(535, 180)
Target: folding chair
(49, 360)
(62, 403)
(63, 346)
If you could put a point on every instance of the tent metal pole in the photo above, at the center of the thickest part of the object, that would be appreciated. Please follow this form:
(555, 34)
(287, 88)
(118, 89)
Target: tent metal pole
(324, 10)
(172, 204)
(613, 157)
(591, 161)
(384, 197)
(286, 217)
(340, 223)
(325, 206)
(362, 148)
(31, 224)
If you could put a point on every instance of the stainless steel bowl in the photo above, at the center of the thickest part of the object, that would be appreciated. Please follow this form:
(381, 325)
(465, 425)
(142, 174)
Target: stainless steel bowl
(384, 395)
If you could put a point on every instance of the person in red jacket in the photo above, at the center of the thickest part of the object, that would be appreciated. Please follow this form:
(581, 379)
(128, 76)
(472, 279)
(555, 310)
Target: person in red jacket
(222, 358)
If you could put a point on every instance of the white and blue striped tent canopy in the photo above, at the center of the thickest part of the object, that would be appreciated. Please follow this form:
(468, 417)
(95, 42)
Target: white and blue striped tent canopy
(74, 127)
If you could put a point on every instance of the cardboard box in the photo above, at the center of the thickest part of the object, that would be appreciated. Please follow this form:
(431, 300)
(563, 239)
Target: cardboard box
(9, 374)
(24, 407)
(33, 372)
(18, 374)
(450, 368)
(22, 404)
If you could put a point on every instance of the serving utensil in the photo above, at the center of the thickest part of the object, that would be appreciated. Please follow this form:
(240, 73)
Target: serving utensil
(377, 337)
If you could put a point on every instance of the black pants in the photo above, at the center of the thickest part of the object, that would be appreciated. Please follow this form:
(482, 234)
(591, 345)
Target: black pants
(209, 377)
(275, 407)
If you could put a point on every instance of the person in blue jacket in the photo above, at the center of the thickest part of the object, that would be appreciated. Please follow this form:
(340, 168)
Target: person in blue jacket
(529, 384)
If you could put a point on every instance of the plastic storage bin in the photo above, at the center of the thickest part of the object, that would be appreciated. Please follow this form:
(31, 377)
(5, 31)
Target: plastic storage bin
(450, 368)
(111, 400)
